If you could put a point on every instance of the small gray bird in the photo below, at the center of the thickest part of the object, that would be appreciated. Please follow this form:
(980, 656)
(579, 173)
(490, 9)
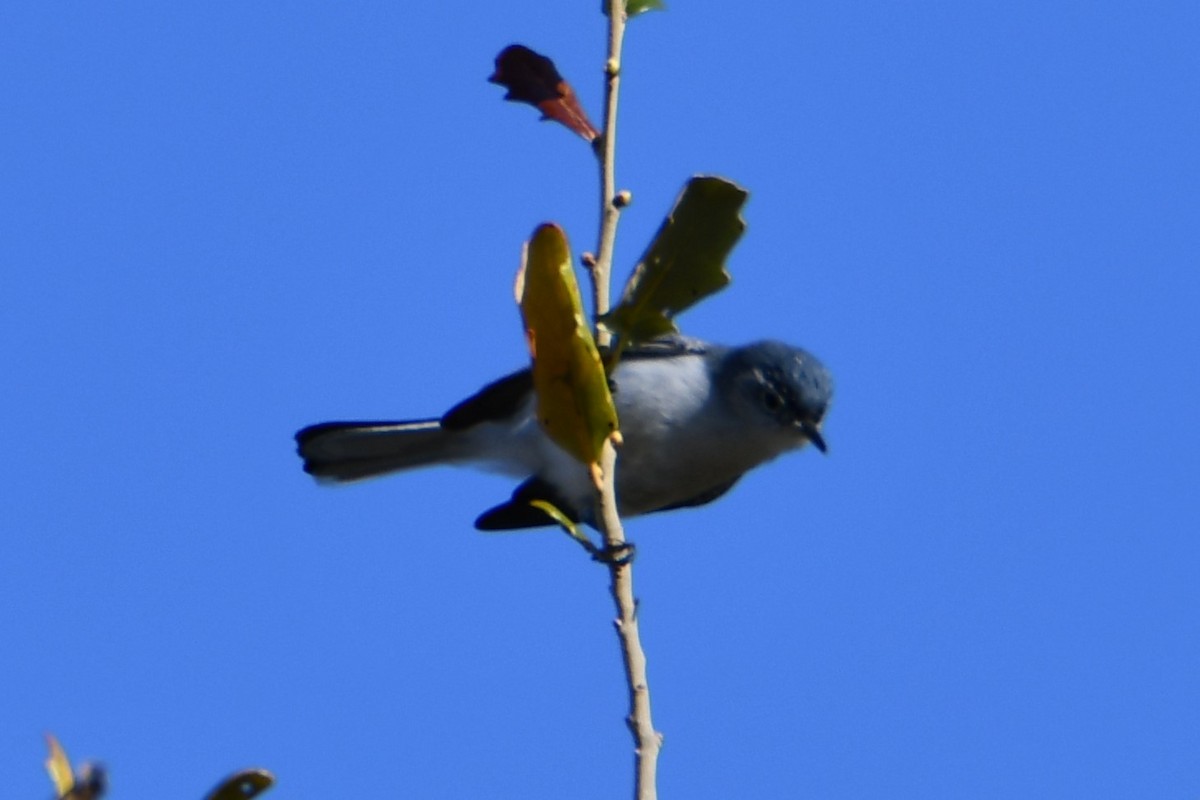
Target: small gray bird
(695, 417)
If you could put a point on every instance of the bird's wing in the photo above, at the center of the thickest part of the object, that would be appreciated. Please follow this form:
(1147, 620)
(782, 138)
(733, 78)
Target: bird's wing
(666, 347)
(501, 399)
(519, 513)
(705, 497)
(498, 401)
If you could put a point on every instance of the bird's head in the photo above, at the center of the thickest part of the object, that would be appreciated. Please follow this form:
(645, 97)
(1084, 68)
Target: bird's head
(778, 388)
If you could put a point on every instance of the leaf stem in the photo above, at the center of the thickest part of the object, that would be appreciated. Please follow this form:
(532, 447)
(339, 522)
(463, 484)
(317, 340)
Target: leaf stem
(647, 741)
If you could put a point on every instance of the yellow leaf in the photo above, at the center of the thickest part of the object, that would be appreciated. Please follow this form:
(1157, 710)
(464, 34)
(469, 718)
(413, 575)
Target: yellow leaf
(574, 405)
(59, 768)
(556, 514)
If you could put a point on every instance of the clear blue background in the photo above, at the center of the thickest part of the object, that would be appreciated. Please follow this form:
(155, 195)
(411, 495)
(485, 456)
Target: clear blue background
(222, 221)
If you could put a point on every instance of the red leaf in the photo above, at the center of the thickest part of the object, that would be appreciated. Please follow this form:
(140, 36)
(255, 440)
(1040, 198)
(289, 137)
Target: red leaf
(532, 78)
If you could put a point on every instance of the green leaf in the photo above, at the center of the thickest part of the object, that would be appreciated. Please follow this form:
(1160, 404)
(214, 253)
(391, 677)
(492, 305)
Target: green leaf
(635, 7)
(243, 785)
(684, 263)
(564, 522)
(574, 405)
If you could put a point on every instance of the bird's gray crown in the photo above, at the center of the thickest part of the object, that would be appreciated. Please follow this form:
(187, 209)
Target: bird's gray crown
(788, 383)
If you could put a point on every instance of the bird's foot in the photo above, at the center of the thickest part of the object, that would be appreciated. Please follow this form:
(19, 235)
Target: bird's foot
(616, 556)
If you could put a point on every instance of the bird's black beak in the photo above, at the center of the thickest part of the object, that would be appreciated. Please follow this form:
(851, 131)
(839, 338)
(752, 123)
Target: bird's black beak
(814, 435)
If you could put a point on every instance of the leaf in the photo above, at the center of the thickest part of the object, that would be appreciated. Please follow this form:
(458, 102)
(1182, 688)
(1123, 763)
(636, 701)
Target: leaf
(59, 768)
(574, 405)
(558, 516)
(564, 522)
(532, 78)
(89, 784)
(572, 529)
(684, 263)
(635, 7)
(243, 785)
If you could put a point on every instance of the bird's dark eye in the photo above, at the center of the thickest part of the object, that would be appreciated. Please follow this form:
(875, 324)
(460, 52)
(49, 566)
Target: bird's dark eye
(771, 400)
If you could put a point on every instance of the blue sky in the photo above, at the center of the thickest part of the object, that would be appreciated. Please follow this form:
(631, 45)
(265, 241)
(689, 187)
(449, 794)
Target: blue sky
(220, 222)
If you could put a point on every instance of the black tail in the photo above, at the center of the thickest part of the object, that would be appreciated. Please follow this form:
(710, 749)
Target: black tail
(350, 451)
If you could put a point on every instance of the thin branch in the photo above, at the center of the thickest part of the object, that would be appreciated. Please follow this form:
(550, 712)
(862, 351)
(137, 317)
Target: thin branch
(601, 266)
(647, 741)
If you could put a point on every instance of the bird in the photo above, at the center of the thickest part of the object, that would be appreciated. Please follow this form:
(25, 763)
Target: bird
(694, 418)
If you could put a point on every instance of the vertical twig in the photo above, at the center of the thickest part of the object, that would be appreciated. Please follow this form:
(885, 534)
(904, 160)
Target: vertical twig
(647, 741)
(601, 268)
